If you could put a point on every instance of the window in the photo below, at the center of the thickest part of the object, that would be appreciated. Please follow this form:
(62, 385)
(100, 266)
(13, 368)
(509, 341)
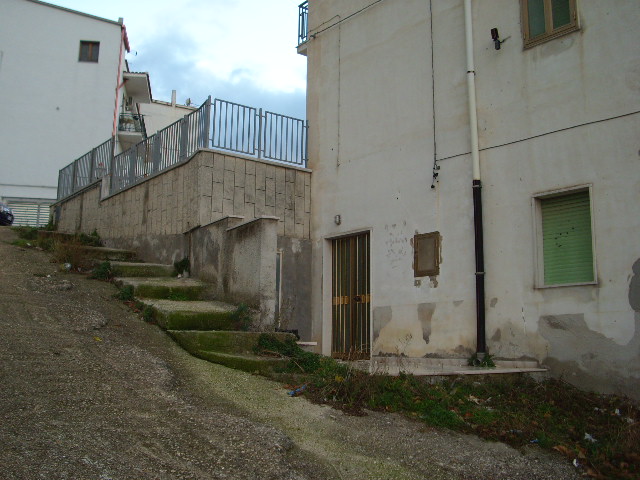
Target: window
(565, 240)
(426, 254)
(89, 51)
(544, 20)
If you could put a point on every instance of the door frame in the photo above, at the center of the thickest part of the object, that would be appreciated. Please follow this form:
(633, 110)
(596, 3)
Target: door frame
(327, 286)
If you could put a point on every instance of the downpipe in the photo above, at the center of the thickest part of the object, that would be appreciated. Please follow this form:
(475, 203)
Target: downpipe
(478, 229)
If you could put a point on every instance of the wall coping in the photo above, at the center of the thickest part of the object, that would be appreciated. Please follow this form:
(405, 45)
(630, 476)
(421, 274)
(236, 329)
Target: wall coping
(180, 164)
(244, 224)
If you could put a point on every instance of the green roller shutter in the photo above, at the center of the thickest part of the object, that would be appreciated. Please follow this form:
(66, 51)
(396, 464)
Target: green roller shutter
(567, 245)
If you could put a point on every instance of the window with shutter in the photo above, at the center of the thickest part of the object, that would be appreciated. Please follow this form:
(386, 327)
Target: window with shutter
(566, 237)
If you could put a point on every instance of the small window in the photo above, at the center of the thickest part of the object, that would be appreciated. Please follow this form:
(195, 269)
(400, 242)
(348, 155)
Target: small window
(89, 51)
(565, 239)
(426, 254)
(544, 20)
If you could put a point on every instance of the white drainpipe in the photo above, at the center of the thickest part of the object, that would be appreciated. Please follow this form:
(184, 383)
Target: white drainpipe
(471, 87)
(478, 229)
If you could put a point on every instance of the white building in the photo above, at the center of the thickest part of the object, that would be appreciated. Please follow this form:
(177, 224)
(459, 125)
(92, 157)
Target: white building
(66, 89)
(392, 147)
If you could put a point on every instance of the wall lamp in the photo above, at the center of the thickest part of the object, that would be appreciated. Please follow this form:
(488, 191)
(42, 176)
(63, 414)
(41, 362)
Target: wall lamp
(495, 36)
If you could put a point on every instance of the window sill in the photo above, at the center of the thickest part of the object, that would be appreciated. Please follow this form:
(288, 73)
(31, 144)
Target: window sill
(579, 284)
(552, 36)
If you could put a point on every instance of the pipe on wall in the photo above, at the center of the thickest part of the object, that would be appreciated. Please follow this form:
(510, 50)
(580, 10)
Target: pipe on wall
(478, 228)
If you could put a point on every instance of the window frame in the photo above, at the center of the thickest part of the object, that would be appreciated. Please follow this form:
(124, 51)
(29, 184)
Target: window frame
(93, 44)
(436, 255)
(536, 203)
(549, 33)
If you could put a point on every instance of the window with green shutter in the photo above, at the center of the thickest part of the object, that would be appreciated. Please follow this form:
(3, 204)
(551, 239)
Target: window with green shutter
(567, 246)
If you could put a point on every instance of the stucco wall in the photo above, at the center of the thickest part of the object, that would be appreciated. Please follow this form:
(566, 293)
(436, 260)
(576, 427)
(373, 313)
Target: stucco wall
(55, 108)
(562, 114)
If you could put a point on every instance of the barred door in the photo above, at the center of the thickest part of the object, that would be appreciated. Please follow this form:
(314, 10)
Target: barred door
(351, 297)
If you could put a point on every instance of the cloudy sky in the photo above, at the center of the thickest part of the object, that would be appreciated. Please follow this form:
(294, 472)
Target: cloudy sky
(237, 50)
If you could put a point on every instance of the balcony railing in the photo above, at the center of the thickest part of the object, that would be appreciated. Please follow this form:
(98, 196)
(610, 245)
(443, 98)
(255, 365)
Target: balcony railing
(303, 22)
(227, 126)
(130, 122)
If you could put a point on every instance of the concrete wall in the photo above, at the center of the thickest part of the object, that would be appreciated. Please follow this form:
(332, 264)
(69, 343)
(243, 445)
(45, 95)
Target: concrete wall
(204, 208)
(54, 108)
(559, 115)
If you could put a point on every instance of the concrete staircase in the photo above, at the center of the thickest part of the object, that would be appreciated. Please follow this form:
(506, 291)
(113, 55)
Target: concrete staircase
(185, 308)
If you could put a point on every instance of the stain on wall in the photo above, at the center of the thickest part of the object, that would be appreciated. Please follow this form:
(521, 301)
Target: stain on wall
(634, 287)
(381, 317)
(589, 359)
(402, 330)
(425, 314)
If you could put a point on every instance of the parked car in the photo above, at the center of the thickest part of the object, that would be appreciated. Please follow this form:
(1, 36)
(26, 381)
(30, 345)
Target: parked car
(6, 214)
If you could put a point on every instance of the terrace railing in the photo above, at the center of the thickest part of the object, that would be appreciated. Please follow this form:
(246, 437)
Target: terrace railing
(169, 146)
(85, 170)
(263, 134)
(231, 126)
(303, 22)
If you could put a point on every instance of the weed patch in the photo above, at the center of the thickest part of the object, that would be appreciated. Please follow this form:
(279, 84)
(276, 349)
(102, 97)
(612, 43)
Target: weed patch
(600, 433)
(72, 253)
(90, 240)
(26, 233)
(177, 297)
(242, 319)
(182, 266)
(103, 271)
(125, 294)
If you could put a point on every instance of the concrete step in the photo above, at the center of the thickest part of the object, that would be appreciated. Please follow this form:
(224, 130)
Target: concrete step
(166, 288)
(132, 269)
(232, 349)
(194, 315)
(246, 363)
(111, 254)
(238, 343)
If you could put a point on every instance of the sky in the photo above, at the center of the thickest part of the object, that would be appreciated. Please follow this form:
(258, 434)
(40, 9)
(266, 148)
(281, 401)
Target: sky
(238, 50)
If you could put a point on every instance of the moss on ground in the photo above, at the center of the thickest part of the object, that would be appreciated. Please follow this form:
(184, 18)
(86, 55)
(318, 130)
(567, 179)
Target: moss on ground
(195, 320)
(190, 292)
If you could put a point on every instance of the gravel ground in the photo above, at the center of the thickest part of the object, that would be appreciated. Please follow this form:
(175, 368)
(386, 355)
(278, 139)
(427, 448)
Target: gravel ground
(89, 391)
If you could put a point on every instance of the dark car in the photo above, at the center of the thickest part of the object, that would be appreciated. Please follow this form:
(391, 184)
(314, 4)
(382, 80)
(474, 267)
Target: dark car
(6, 215)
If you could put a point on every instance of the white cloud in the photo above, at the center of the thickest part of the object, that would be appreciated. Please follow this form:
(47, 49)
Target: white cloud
(202, 47)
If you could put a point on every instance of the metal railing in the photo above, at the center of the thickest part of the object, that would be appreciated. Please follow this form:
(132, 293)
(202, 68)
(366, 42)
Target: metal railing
(85, 170)
(263, 134)
(303, 22)
(158, 152)
(233, 127)
(131, 122)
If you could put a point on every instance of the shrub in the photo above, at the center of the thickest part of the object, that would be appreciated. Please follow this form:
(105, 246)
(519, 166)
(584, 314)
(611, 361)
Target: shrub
(103, 271)
(182, 266)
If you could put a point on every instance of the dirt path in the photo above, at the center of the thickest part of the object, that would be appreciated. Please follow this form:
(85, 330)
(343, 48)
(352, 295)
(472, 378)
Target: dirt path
(89, 391)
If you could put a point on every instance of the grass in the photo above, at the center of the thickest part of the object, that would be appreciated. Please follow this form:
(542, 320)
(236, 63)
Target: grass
(600, 432)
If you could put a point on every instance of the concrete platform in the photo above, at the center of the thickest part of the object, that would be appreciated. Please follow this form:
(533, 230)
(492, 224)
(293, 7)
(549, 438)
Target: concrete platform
(132, 269)
(104, 253)
(442, 366)
(165, 287)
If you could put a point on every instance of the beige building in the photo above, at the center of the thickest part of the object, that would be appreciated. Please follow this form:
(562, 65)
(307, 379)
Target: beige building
(414, 105)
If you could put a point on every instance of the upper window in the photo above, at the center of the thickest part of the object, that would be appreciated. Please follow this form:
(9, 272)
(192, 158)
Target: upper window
(544, 20)
(89, 51)
(565, 239)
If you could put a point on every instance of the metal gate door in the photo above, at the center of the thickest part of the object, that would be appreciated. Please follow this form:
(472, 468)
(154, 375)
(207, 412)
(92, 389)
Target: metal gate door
(351, 297)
